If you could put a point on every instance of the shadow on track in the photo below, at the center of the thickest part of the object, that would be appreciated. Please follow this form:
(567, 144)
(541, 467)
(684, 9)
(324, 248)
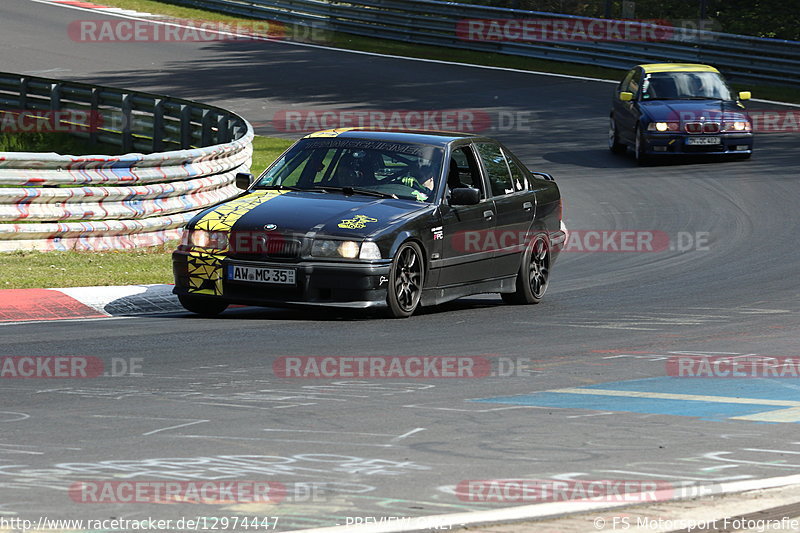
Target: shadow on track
(327, 314)
(603, 159)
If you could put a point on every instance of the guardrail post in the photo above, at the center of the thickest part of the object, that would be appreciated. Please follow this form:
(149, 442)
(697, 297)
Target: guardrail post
(158, 125)
(205, 134)
(235, 129)
(186, 127)
(23, 92)
(94, 116)
(55, 96)
(127, 123)
(223, 128)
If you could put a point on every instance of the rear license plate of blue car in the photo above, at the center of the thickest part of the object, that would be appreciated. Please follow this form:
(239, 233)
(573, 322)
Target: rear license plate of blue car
(695, 141)
(280, 276)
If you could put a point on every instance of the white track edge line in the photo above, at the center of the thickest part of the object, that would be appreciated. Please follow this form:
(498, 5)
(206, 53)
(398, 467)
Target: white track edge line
(546, 510)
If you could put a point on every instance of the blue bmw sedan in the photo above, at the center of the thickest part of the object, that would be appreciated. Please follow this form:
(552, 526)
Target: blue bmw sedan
(678, 108)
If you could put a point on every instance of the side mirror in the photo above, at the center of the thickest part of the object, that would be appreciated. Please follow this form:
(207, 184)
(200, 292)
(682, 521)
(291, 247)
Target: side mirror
(465, 196)
(625, 96)
(243, 180)
(745, 95)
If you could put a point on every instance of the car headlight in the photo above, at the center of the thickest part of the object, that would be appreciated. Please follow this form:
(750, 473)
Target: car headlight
(345, 249)
(349, 249)
(663, 127)
(369, 250)
(330, 248)
(213, 240)
(738, 125)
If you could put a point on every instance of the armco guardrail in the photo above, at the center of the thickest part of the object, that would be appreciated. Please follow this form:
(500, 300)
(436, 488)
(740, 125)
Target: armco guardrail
(437, 23)
(51, 201)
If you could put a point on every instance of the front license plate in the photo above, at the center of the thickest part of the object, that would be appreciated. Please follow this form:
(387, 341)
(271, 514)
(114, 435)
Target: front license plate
(280, 276)
(703, 140)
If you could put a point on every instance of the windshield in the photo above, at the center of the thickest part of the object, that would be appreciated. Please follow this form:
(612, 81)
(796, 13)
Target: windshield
(391, 169)
(685, 85)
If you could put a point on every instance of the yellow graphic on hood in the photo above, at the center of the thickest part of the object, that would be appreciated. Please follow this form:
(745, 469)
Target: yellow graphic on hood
(225, 216)
(205, 270)
(357, 222)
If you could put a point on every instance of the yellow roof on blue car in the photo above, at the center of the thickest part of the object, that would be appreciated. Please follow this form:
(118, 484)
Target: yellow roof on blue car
(677, 67)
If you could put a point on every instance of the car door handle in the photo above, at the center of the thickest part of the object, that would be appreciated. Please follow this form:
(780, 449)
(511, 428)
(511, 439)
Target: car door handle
(527, 206)
(488, 215)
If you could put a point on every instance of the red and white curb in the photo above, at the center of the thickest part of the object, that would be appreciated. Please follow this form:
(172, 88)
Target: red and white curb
(34, 305)
(101, 8)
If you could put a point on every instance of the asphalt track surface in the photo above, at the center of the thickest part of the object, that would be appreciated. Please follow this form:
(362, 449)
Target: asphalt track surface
(399, 447)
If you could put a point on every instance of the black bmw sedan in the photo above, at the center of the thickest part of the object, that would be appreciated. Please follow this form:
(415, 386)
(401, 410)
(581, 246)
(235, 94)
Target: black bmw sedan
(363, 219)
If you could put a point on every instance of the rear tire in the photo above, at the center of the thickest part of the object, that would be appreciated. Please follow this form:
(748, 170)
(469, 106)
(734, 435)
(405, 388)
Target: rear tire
(534, 274)
(202, 306)
(405, 281)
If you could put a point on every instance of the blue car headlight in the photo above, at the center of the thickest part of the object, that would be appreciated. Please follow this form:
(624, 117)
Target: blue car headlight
(664, 127)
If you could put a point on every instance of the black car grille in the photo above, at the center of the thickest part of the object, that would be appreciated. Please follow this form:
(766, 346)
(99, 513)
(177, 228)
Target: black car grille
(701, 127)
(283, 248)
(266, 246)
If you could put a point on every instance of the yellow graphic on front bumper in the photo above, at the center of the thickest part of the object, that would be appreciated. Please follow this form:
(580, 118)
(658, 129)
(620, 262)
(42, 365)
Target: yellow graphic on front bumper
(205, 273)
(205, 270)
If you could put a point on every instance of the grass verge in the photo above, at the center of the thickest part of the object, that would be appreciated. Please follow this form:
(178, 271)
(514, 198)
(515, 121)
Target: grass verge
(26, 270)
(266, 150)
(61, 143)
(386, 46)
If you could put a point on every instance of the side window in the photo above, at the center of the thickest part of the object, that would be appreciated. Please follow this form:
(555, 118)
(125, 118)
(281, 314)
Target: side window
(636, 81)
(496, 168)
(518, 177)
(464, 170)
(626, 81)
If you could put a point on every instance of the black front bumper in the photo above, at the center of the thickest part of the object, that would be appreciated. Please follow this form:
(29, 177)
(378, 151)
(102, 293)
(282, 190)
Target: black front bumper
(676, 143)
(334, 284)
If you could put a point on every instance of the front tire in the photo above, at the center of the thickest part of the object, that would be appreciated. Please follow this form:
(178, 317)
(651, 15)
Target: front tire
(202, 306)
(405, 281)
(639, 148)
(614, 145)
(534, 274)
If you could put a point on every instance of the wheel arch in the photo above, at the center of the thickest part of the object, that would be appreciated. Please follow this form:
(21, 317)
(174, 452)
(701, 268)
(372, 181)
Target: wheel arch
(406, 236)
